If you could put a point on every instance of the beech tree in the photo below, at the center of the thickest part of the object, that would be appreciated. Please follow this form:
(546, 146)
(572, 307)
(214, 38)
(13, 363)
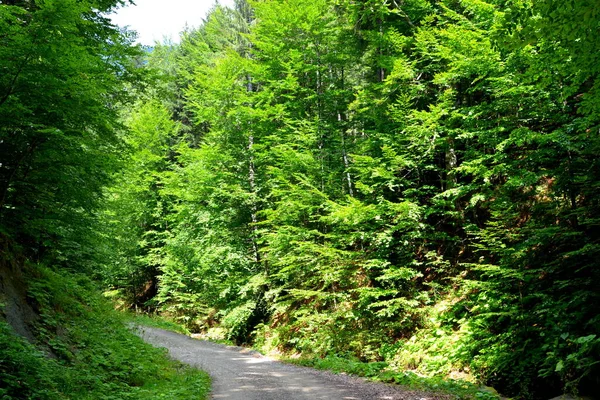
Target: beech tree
(409, 182)
(64, 69)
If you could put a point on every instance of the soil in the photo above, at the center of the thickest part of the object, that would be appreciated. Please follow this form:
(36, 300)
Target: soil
(13, 300)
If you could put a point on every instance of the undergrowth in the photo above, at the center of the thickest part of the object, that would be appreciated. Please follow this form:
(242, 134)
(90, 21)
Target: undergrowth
(84, 350)
(156, 321)
(379, 371)
(433, 359)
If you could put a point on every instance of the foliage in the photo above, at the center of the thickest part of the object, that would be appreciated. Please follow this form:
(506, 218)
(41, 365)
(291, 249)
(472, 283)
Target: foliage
(94, 355)
(24, 370)
(64, 72)
(136, 206)
(379, 371)
(156, 321)
(413, 182)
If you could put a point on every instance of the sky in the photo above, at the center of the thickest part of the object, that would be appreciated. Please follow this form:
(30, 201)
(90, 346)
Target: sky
(155, 20)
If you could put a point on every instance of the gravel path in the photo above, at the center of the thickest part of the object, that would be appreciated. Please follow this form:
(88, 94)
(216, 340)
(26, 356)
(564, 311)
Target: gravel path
(239, 374)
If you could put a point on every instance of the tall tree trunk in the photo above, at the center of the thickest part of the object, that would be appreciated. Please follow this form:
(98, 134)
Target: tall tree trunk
(341, 119)
(451, 163)
(320, 132)
(253, 206)
(346, 163)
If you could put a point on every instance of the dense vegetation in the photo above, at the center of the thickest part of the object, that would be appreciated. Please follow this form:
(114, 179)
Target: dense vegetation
(410, 183)
(65, 72)
(85, 350)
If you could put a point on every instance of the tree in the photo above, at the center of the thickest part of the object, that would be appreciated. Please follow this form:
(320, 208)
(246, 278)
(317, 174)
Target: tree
(383, 179)
(137, 207)
(64, 67)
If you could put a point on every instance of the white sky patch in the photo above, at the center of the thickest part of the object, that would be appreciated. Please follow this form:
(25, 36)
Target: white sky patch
(157, 20)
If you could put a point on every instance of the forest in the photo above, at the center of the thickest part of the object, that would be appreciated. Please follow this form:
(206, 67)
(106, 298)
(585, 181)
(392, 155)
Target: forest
(408, 184)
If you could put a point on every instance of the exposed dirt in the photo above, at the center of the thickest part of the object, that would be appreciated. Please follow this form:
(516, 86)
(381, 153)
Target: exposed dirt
(13, 297)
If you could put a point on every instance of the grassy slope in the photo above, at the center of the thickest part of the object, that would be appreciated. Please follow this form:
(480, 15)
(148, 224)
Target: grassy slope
(84, 350)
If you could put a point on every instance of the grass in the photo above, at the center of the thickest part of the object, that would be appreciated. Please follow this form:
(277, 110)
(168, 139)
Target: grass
(156, 321)
(379, 371)
(84, 350)
(177, 382)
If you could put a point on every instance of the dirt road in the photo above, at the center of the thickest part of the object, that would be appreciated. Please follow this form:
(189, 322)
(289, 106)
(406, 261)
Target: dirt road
(241, 375)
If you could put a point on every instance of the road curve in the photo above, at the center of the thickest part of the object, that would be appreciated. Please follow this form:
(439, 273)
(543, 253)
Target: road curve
(238, 374)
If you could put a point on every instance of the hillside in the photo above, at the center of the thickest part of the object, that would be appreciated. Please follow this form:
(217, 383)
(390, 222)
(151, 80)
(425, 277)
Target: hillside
(409, 189)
